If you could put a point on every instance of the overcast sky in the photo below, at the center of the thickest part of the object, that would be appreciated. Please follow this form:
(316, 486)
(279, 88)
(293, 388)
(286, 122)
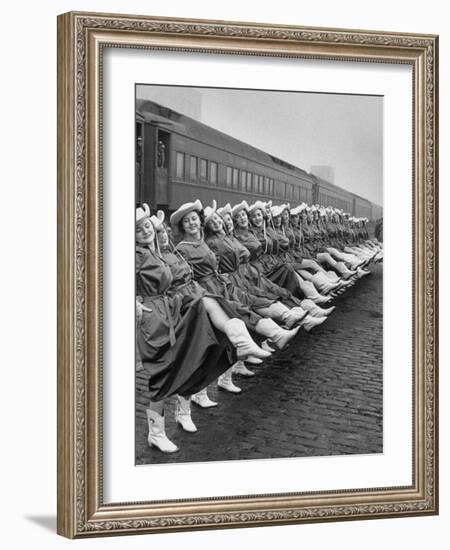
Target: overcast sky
(305, 129)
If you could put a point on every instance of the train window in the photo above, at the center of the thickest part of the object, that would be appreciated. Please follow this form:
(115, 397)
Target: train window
(235, 178)
(243, 180)
(213, 172)
(180, 166)
(289, 191)
(203, 169)
(193, 168)
(249, 182)
(255, 184)
(266, 185)
(280, 189)
(229, 176)
(261, 184)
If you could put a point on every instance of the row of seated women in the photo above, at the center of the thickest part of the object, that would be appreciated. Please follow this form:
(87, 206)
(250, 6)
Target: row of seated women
(222, 287)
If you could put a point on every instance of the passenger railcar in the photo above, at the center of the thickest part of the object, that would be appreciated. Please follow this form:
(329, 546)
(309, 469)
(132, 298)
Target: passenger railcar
(179, 159)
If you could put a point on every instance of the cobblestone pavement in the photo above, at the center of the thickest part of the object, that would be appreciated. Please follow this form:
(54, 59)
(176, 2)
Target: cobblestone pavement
(321, 396)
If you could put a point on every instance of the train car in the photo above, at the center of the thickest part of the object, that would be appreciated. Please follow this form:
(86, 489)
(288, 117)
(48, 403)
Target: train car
(179, 159)
(377, 212)
(362, 208)
(328, 194)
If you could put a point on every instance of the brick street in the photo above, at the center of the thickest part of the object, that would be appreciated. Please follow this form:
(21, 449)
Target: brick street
(323, 395)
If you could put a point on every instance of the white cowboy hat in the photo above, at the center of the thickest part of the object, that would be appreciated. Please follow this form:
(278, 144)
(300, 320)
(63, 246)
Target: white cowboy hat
(157, 220)
(225, 210)
(295, 211)
(238, 207)
(142, 212)
(277, 210)
(209, 211)
(258, 205)
(184, 209)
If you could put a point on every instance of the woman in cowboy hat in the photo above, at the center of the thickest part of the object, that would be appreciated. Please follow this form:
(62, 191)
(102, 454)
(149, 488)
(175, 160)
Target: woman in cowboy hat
(312, 235)
(315, 282)
(259, 283)
(354, 257)
(291, 226)
(178, 344)
(232, 261)
(186, 286)
(188, 222)
(281, 272)
(231, 254)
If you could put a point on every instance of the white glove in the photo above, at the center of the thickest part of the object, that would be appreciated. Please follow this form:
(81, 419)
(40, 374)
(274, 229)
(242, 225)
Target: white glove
(140, 308)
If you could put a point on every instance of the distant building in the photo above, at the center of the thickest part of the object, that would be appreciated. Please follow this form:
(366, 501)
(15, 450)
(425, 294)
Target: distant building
(188, 104)
(324, 172)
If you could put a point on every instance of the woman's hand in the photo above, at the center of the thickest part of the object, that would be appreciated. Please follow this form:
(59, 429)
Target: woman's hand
(140, 308)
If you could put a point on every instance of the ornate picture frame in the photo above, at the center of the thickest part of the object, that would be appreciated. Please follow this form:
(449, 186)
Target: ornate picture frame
(82, 40)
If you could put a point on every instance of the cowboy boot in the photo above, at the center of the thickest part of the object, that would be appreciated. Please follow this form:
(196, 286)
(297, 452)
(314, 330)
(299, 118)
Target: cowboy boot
(225, 382)
(183, 414)
(157, 433)
(241, 340)
(202, 400)
(240, 369)
(277, 335)
(312, 322)
(315, 310)
(289, 317)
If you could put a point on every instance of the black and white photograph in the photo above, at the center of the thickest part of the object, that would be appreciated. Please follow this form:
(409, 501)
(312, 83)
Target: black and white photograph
(259, 274)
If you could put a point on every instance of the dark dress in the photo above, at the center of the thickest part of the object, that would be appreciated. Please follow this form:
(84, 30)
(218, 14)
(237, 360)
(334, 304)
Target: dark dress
(300, 243)
(265, 270)
(308, 240)
(229, 252)
(204, 265)
(179, 347)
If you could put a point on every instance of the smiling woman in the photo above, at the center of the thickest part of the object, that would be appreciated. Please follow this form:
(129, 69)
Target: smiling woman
(165, 319)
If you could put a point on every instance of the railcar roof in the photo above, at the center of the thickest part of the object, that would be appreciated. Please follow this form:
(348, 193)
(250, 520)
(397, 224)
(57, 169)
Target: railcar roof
(186, 126)
(325, 184)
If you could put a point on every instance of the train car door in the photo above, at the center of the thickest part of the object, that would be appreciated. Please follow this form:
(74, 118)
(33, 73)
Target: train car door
(139, 163)
(162, 164)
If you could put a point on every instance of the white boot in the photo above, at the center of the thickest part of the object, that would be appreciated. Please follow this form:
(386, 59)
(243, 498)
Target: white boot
(344, 271)
(265, 346)
(288, 317)
(240, 368)
(157, 433)
(332, 276)
(311, 322)
(202, 400)
(183, 414)
(361, 272)
(378, 257)
(311, 292)
(277, 335)
(323, 283)
(315, 310)
(238, 335)
(225, 382)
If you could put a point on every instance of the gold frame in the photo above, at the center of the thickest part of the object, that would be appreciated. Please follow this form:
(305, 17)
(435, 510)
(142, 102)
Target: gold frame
(81, 37)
